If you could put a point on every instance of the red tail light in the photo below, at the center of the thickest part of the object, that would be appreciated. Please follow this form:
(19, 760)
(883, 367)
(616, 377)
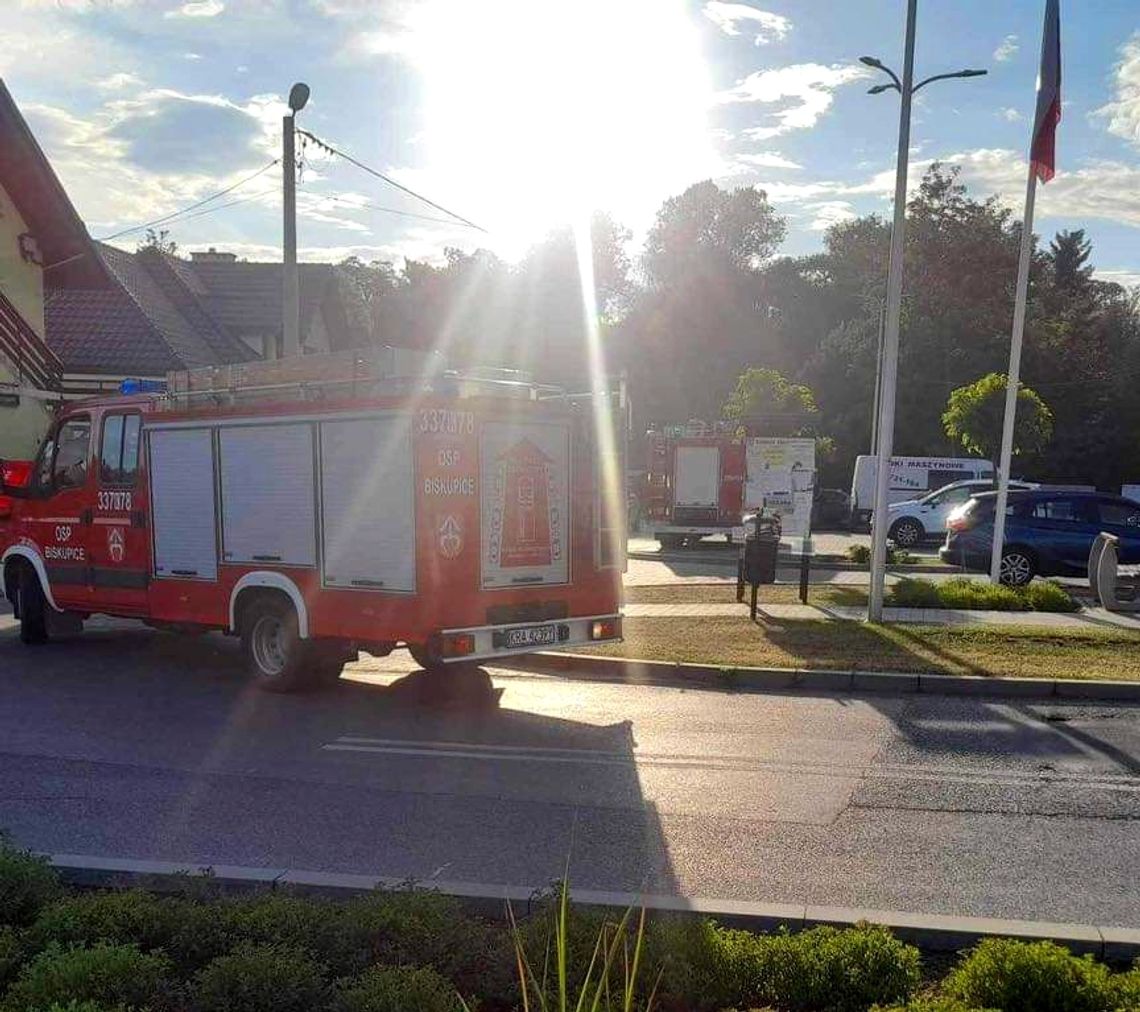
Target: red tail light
(16, 473)
(457, 645)
(961, 523)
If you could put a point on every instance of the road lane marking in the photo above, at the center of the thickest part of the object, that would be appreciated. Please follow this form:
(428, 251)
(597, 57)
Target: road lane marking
(1121, 783)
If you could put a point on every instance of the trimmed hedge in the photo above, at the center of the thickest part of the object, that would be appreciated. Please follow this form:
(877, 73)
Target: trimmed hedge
(419, 952)
(970, 594)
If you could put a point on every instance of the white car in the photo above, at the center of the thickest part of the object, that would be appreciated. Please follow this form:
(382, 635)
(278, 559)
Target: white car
(915, 520)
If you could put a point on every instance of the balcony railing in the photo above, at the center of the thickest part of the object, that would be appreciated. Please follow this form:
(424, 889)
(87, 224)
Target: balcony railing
(32, 359)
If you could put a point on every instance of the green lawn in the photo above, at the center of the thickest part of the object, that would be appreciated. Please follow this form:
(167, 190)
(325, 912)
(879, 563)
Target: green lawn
(1015, 651)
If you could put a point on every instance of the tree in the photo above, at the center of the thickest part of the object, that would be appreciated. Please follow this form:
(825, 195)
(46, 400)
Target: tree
(765, 394)
(974, 416)
(708, 231)
(160, 241)
(1069, 253)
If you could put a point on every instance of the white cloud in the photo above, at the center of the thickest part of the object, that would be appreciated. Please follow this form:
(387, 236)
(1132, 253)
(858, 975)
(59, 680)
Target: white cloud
(135, 157)
(191, 56)
(118, 81)
(1006, 49)
(767, 160)
(1118, 275)
(805, 91)
(197, 9)
(1010, 115)
(727, 16)
(1123, 112)
(829, 212)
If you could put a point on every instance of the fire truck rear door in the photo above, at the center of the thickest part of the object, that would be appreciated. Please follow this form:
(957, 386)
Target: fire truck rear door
(525, 503)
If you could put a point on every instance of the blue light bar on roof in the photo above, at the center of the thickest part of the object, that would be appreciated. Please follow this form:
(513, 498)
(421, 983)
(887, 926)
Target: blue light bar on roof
(142, 386)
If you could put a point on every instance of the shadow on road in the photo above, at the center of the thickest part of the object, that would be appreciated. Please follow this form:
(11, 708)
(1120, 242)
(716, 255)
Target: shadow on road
(411, 776)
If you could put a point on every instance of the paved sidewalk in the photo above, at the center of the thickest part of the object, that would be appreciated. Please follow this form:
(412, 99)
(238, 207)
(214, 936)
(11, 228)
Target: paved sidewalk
(1090, 618)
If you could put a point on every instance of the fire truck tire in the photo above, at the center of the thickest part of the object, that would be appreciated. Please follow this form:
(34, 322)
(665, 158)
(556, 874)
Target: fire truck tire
(32, 607)
(423, 655)
(275, 654)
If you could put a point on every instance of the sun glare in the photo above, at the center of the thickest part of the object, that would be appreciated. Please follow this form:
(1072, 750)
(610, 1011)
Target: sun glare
(538, 113)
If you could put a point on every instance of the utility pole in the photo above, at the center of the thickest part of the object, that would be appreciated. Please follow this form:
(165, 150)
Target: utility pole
(291, 288)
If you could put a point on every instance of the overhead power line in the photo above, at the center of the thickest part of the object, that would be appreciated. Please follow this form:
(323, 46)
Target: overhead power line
(325, 146)
(349, 202)
(168, 218)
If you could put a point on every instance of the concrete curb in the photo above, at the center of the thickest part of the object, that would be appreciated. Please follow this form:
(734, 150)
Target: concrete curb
(819, 562)
(931, 931)
(726, 677)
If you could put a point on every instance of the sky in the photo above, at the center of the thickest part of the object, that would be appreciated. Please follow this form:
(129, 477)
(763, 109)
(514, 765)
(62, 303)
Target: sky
(525, 115)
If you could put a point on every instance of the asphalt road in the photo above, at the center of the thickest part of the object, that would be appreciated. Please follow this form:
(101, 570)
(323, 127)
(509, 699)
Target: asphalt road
(130, 743)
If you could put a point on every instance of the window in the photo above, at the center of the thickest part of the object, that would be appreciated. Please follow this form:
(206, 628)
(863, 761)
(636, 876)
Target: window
(42, 473)
(119, 457)
(951, 496)
(1065, 510)
(70, 467)
(1122, 514)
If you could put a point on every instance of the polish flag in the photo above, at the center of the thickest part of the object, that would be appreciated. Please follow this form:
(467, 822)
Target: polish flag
(1043, 150)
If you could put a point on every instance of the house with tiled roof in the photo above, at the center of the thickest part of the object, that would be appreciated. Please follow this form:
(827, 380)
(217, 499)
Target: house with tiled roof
(167, 313)
(43, 244)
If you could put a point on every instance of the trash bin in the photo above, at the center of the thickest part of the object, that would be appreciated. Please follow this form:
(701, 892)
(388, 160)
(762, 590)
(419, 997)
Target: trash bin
(758, 553)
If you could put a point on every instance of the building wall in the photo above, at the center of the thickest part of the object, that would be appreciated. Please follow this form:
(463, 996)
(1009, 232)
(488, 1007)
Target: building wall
(21, 427)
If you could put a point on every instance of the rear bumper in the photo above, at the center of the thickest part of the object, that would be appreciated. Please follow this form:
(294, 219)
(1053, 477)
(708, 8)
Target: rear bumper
(489, 641)
(967, 559)
(691, 531)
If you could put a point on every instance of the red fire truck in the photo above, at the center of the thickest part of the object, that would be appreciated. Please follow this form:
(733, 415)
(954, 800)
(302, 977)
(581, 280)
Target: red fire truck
(694, 482)
(323, 505)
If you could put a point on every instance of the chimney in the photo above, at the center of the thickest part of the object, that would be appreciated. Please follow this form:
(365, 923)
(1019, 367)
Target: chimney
(212, 256)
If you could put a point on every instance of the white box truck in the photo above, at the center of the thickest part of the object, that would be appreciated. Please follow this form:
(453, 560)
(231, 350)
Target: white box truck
(910, 478)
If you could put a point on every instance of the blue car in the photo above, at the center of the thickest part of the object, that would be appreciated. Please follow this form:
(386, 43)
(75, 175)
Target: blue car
(1046, 533)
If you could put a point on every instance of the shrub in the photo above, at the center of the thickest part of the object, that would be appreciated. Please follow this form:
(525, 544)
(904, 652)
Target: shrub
(419, 928)
(260, 978)
(963, 592)
(80, 1006)
(1030, 977)
(1046, 595)
(1125, 989)
(914, 593)
(397, 989)
(845, 970)
(105, 974)
(27, 883)
(933, 1003)
(861, 556)
(11, 954)
(181, 929)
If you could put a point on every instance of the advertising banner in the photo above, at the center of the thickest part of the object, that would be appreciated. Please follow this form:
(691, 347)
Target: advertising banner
(781, 479)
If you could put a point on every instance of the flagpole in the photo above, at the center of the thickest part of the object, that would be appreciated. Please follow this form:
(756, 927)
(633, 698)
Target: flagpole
(1013, 382)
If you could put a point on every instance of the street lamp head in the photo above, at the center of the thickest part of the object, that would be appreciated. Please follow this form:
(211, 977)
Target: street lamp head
(298, 96)
(973, 73)
(870, 61)
(879, 88)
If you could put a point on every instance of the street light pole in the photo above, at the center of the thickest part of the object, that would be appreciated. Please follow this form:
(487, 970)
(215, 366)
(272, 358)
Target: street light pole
(886, 382)
(290, 286)
(890, 365)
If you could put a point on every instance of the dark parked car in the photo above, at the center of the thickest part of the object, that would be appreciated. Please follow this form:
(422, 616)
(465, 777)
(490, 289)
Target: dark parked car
(830, 509)
(1047, 533)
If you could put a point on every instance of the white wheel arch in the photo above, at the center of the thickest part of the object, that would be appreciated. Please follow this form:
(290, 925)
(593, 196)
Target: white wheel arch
(276, 581)
(29, 553)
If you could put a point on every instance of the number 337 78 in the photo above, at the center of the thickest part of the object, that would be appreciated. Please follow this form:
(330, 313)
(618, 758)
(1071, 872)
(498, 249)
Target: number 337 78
(114, 500)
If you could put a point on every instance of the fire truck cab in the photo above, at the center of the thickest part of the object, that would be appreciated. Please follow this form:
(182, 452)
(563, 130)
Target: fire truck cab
(321, 506)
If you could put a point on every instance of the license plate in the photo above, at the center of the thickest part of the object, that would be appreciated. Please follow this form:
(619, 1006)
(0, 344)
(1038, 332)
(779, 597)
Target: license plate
(528, 636)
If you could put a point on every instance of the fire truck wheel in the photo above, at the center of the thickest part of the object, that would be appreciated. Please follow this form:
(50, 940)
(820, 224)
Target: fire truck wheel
(423, 656)
(274, 652)
(32, 607)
